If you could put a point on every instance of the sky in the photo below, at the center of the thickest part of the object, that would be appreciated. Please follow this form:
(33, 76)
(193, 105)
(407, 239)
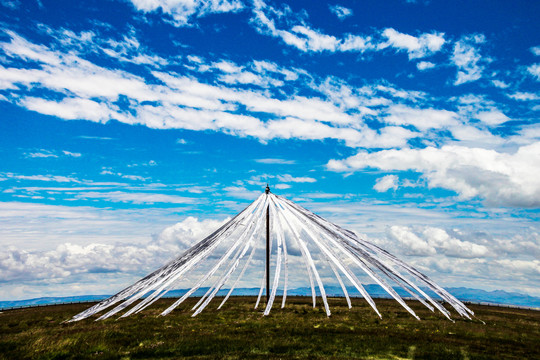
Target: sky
(129, 129)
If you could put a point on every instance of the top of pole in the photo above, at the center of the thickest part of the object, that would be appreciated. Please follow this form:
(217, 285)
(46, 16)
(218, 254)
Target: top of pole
(267, 190)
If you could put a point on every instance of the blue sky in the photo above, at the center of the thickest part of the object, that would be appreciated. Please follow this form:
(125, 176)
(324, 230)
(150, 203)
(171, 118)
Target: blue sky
(128, 125)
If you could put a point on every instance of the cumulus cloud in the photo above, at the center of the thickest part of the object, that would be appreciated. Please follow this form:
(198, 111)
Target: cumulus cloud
(497, 178)
(451, 246)
(425, 65)
(482, 108)
(127, 255)
(466, 57)
(472, 256)
(186, 233)
(413, 244)
(429, 241)
(386, 183)
(69, 259)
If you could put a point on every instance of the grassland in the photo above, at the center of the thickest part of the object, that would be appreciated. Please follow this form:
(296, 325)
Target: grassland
(296, 332)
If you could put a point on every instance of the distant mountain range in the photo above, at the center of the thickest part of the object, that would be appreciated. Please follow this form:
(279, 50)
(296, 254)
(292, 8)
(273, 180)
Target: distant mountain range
(464, 294)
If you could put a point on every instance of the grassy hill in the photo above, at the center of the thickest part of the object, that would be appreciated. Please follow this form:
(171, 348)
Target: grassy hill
(296, 332)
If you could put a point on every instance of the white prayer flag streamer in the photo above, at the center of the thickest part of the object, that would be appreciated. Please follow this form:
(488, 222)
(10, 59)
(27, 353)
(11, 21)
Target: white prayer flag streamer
(298, 233)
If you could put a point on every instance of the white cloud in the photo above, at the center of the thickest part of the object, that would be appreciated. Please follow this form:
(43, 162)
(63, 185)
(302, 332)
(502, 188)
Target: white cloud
(429, 241)
(340, 11)
(72, 108)
(473, 136)
(493, 117)
(267, 20)
(71, 154)
(497, 178)
(261, 66)
(282, 186)
(535, 50)
(181, 102)
(126, 48)
(416, 47)
(176, 101)
(68, 259)
(425, 65)
(41, 154)
(124, 176)
(534, 70)
(43, 227)
(94, 137)
(413, 244)
(524, 96)
(187, 232)
(181, 12)
(451, 246)
(356, 43)
(500, 84)
(260, 110)
(386, 183)
(54, 178)
(466, 57)
(99, 251)
(245, 77)
(289, 178)
(259, 73)
(227, 66)
(525, 267)
(422, 119)
(24, 49)
(276, 161)
(130, 50)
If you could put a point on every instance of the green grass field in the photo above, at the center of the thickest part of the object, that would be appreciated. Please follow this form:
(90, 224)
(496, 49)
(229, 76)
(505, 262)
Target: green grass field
(237, 331)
